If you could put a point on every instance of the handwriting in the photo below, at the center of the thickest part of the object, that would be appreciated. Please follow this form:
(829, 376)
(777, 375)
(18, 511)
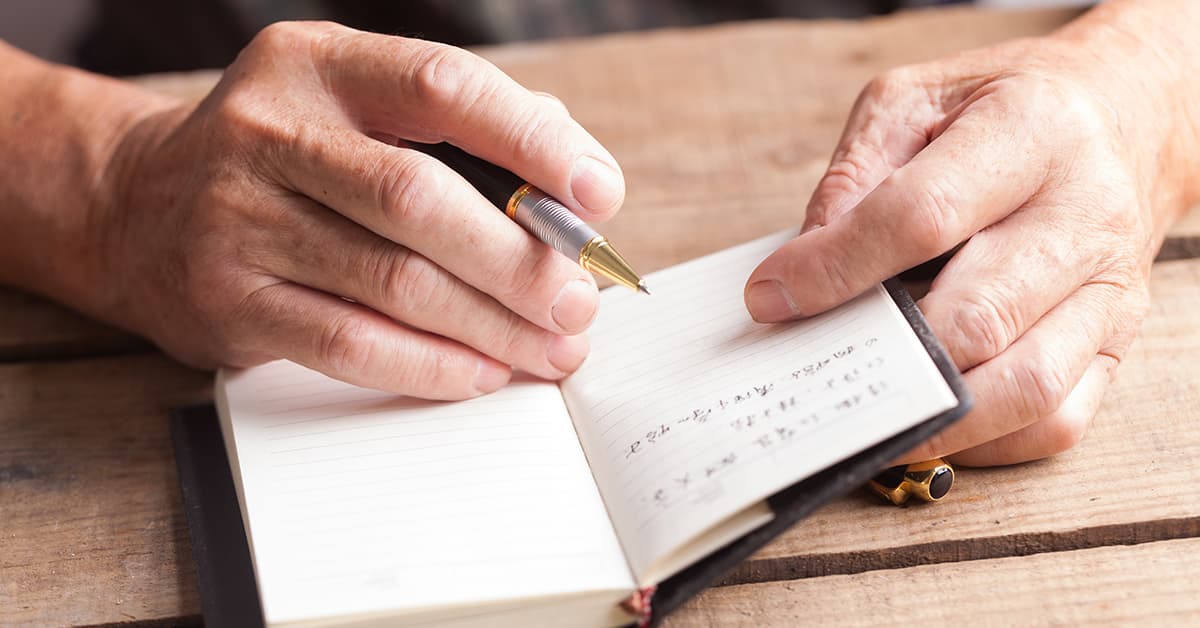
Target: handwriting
(755, 394)
(767, 429)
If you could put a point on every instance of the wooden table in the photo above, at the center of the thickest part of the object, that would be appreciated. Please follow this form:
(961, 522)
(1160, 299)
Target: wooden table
(722, 133)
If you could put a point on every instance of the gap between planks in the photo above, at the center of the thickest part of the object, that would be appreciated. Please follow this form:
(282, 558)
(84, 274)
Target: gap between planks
(1148, 584)
(758, 570)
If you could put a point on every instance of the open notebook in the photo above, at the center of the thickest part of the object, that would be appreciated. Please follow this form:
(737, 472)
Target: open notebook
(664, 460)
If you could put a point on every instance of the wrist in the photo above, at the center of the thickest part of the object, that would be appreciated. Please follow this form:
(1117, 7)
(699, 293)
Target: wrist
(61, 129)
(1142, 57)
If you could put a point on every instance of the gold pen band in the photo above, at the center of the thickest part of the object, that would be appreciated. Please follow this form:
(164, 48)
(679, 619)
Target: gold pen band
(551, 222)
(515, 200)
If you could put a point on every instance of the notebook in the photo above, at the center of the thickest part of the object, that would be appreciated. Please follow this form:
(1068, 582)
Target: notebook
(691, 436)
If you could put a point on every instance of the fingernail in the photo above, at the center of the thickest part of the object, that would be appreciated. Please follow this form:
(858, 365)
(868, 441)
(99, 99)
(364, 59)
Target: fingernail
(811, 227)
(491, 376)
(566, 353)
(575, 306)
(769, 302)
(596, 185)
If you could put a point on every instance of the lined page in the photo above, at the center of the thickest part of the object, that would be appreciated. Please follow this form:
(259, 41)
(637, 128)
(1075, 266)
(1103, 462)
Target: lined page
(689, 411)
(358, 502)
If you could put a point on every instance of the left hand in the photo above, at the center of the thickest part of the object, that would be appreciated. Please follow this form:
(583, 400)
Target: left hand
(1048, 168)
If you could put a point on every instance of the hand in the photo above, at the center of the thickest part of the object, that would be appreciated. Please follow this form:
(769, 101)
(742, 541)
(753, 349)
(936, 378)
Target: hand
(280, 219)
(1049, 165)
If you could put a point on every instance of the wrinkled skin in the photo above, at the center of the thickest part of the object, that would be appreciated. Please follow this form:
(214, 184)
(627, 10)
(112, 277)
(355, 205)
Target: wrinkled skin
(1056, 173)
(279, 219)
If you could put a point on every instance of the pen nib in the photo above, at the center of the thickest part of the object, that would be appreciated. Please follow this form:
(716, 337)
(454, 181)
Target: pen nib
(642, 288)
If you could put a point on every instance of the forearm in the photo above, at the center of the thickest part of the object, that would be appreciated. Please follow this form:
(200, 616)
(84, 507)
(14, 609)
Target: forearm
(59, 128)
(1149, 53)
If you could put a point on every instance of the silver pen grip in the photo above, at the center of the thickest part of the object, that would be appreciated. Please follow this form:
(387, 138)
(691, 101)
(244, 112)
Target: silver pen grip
(552, 223)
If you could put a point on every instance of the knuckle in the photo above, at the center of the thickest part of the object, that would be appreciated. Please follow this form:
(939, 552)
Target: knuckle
(932, 217)
(511, 337)
(282, 37)
(311, 142)
(409, 191)
(413, 373)
(1120, 302)
(246, 116)
(442, 74)
(839, 284)
(1072, 107)
(888, 85)
(1040, 383)
(531, 133)
(520, 285)
(409, 282)
(434, 370)
(851, 169)
(984, 326)
(345, 344)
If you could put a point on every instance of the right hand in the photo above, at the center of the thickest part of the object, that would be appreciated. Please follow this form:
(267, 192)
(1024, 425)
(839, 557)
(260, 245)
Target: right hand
(279, 218)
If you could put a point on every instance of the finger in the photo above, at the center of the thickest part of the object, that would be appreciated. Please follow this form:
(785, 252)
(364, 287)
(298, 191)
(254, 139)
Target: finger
(354, 344)
(430, 92)
(1003, 280)
(1055, 433)
(554, 100)
(889, 124)
(1033, 377)
(975, 173)
(337, 256)
(414, 200)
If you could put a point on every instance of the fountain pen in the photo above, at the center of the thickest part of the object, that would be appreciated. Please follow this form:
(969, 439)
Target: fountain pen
(539, 213)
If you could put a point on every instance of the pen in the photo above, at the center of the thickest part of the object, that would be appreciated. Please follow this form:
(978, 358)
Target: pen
(928, 481)
(539, 213)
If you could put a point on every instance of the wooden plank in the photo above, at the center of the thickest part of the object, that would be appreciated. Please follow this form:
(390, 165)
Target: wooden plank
(85, 464)
(1132, 479)
(1183, 240)
(92, 517)
(92, 527)
(1150, 584)
(697, 129)
(723, 132)
(722, 136)
(32, 328)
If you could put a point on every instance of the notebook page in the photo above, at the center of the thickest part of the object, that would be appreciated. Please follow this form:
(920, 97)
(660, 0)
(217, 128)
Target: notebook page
(358, 502)
(689, 411)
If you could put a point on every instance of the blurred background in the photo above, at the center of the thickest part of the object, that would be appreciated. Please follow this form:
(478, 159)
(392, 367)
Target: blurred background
(125, 37)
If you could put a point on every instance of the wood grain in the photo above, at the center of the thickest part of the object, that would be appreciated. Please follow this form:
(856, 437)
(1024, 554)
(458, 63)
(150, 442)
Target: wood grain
(1132, 479)
(91, 521)
(91, 509)
(722, 132)
(1153, 584)
(32, 328)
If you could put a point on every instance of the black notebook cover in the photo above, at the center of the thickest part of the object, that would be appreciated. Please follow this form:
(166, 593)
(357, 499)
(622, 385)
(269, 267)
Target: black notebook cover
(225, 574)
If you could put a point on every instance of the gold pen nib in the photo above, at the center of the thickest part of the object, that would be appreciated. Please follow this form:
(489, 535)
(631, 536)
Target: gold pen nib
(598, 256)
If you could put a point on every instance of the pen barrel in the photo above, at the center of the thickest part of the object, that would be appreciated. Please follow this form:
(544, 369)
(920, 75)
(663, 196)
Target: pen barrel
(495, 183)
(552, 223)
